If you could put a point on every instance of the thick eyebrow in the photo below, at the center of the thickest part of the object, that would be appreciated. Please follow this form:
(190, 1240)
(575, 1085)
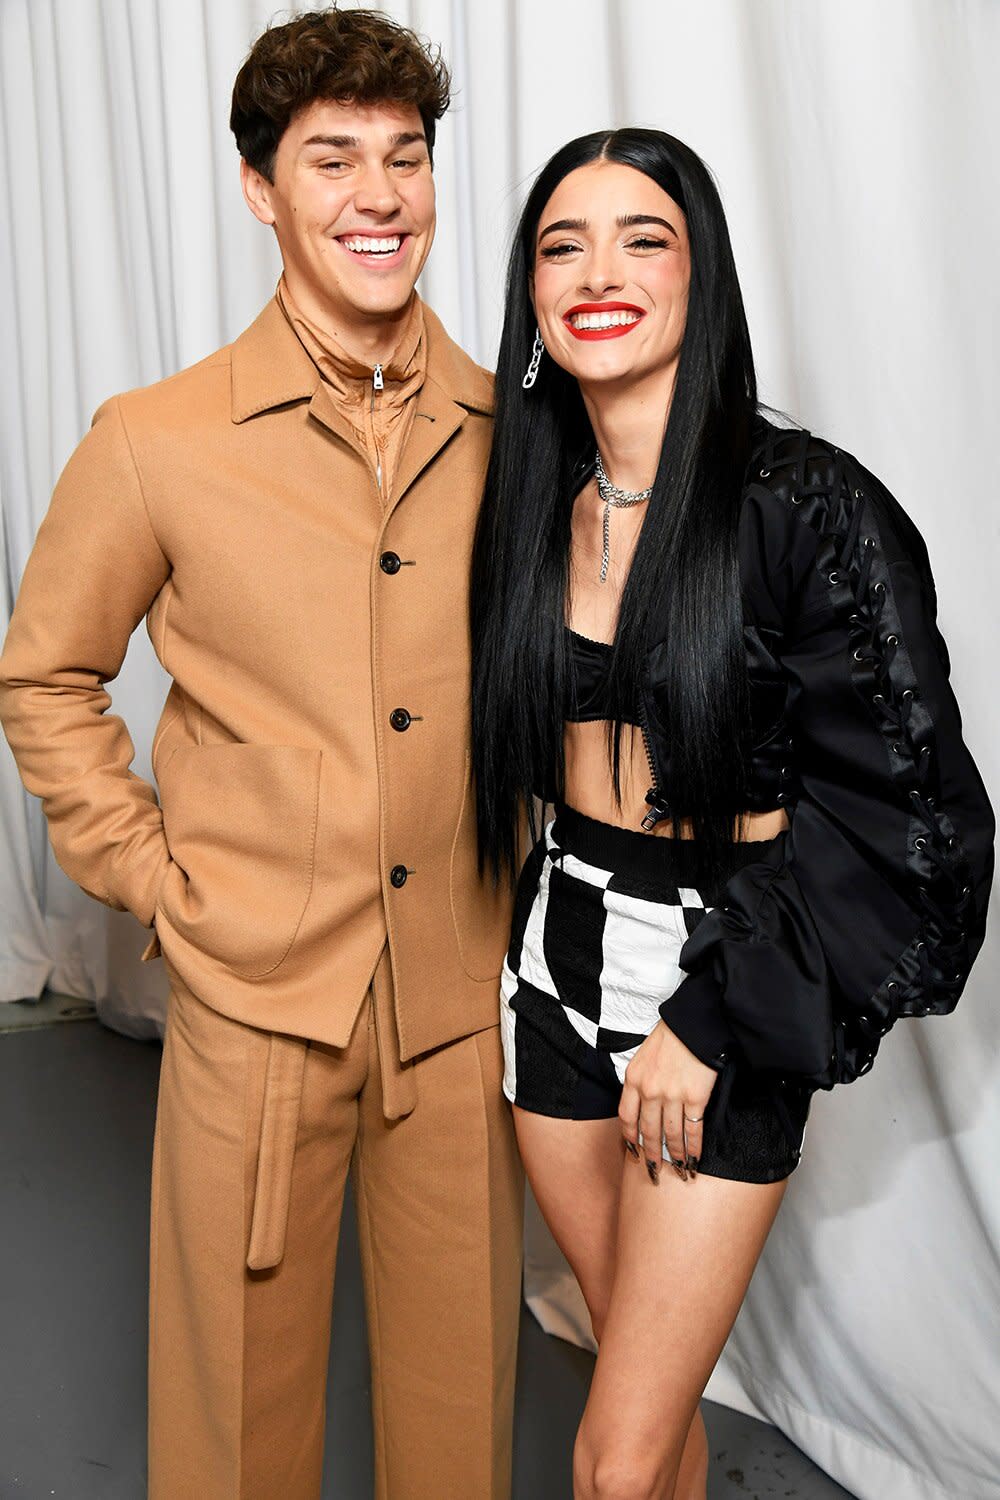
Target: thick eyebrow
(624, 221)
(628, 220)
(561, 224)
(351, 142)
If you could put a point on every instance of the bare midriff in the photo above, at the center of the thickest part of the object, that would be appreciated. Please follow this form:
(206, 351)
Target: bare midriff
(592, 611)
(590, 788)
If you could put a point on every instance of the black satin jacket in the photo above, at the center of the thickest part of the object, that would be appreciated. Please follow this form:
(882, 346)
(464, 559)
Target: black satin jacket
(872, 905)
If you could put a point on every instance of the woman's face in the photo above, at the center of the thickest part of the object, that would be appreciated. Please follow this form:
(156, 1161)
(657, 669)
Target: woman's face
(611, 275)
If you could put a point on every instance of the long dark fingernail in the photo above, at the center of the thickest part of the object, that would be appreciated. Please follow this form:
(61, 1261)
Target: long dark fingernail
(653, 1170)
(633, 1148)
(678, 1167)
(692, 1165)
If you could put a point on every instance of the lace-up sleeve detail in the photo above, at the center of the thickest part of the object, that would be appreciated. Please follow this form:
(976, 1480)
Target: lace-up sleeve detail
(873, 904)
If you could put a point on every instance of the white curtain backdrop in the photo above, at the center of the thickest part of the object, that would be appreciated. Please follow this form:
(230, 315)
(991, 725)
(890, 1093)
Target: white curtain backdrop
(856, 147)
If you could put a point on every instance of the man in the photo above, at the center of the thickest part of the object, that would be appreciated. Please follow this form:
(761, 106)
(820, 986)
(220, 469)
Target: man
(294, 517)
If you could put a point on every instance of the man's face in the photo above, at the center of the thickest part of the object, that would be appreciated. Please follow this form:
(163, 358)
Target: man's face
(352, 205)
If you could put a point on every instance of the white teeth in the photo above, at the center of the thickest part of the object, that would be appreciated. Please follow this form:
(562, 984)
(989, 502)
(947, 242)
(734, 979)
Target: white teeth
(362, 245)
(618, 319)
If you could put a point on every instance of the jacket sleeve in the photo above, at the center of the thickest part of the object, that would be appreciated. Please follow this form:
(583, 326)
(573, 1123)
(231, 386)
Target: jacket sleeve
(94, 571)
(872, 905)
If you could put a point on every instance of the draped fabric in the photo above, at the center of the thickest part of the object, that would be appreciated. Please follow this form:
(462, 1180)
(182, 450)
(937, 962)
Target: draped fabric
(855, 146)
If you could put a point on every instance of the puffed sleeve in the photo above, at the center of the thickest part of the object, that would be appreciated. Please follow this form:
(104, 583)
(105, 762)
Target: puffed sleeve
(872, 905)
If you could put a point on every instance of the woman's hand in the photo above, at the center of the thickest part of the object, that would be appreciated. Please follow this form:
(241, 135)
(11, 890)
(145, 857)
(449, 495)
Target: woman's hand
(665, 1095)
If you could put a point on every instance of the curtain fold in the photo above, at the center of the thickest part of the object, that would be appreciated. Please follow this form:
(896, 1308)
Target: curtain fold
(855, 146)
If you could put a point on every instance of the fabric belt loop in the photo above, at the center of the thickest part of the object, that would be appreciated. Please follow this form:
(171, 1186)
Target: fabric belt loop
(398, 1080)
(286, 1058)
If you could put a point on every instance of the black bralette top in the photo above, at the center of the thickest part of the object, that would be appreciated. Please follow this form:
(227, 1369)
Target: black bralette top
(589, 697)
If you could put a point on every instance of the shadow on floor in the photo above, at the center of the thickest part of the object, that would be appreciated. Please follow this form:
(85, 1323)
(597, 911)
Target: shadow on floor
(76, 1121)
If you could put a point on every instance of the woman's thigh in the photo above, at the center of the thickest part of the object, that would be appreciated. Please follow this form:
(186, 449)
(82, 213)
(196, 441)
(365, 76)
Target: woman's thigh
(575, 1171)
(684, 1257)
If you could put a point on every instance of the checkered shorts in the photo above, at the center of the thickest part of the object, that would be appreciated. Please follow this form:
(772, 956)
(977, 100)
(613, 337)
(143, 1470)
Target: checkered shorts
(600, 919)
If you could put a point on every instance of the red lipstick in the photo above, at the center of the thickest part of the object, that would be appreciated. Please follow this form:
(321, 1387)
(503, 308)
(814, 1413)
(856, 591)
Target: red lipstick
(590, 334)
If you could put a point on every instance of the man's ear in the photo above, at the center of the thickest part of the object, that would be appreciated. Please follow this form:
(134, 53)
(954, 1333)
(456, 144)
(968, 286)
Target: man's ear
(257, 192)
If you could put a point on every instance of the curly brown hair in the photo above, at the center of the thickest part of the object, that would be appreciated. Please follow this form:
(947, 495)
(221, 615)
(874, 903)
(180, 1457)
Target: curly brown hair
(351, 56)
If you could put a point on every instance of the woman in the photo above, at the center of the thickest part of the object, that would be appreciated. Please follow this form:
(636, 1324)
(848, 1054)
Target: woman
(710, 643)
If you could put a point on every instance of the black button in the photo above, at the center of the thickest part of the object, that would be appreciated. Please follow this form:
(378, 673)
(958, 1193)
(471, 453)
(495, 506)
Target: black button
(397, 875)
(389, 562)
(399, 719)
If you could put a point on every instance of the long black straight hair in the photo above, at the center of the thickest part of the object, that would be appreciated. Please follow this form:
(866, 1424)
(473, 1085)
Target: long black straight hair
(683, 587)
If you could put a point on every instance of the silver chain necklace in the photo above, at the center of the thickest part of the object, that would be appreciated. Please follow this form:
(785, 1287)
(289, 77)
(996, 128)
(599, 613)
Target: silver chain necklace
(612, 495)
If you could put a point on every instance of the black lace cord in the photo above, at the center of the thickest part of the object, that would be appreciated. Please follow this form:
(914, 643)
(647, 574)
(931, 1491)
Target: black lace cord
(942, 936)
(811, 470)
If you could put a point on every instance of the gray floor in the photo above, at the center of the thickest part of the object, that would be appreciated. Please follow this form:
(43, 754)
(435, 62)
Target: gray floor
(76, 1123)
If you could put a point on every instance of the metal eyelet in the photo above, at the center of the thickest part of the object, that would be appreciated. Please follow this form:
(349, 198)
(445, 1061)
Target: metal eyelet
(857, 494)
(892, 640)
(870, 541)
(765, 473)
(859, 656)
(878, 698)
(920, 843)
(907, 695)
(879, 588)
(897, 749)
(892, 985)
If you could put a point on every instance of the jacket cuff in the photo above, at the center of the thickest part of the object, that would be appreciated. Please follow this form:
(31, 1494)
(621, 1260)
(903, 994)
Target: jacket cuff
(695, 1015)
(139, 890)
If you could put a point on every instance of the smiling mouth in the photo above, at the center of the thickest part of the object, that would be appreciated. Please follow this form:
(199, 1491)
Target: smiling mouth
(602, 321)
(375, 249)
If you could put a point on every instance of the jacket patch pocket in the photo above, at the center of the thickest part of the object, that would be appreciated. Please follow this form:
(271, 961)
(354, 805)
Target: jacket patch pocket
(240, 822)
(481, 911)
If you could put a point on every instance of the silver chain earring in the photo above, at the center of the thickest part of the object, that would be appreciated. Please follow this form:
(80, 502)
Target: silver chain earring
(537, 350)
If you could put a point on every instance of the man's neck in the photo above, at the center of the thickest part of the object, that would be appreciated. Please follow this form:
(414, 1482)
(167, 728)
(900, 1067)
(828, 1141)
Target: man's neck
(370, 341)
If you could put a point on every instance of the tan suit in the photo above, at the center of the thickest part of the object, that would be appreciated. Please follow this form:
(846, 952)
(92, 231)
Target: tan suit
(315, 824)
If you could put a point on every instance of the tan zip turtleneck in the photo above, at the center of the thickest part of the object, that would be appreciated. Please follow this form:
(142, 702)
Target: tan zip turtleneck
(377, 401)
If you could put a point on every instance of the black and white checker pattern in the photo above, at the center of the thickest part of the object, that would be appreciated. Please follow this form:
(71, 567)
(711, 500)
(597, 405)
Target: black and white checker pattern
(600, 944)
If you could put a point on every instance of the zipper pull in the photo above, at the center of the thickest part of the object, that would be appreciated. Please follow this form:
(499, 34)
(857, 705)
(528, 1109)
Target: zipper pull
(378, 383)
(658, 810)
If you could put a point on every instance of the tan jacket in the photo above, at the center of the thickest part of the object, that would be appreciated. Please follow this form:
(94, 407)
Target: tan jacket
(235, 508)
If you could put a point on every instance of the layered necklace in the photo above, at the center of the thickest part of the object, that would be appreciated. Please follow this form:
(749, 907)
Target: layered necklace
(612, 495)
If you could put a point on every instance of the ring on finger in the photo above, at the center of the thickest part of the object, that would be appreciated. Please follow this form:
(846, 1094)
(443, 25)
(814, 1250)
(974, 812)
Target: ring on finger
(694, 1119)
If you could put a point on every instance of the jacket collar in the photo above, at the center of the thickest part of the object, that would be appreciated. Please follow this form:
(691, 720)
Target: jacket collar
(270, 368)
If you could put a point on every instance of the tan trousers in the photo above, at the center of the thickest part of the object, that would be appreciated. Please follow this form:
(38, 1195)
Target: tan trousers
(254, 1136)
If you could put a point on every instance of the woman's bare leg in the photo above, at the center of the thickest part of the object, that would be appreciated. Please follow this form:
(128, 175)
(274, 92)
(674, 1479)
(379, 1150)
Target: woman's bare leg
(685, 1255)
(575, 1171)
(575, 1168)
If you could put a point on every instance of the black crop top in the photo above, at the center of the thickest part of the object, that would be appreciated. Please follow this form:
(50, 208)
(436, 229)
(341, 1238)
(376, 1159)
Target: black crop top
(589, 697)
